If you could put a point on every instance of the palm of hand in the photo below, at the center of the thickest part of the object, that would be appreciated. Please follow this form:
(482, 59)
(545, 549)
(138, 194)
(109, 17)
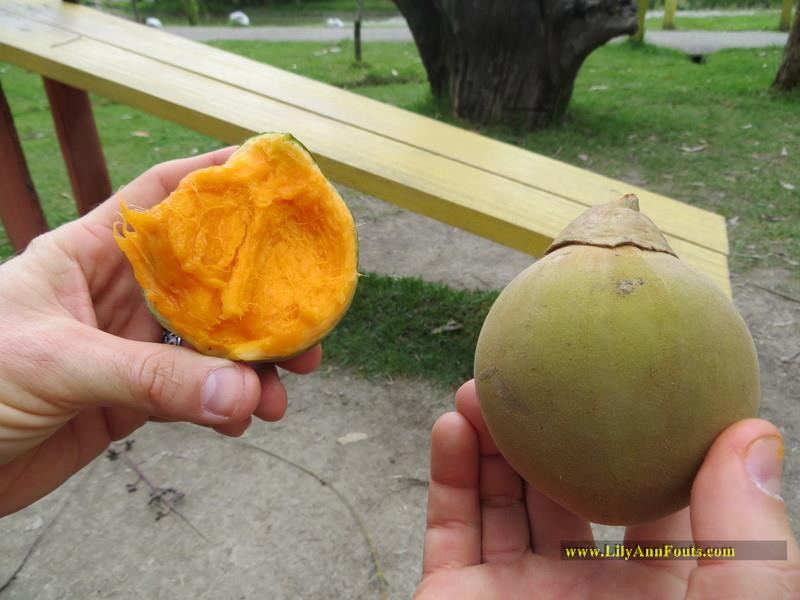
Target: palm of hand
(491, 536)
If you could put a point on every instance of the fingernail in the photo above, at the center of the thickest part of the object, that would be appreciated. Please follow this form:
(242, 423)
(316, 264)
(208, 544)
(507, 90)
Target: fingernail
(764, 461)
(222, 391)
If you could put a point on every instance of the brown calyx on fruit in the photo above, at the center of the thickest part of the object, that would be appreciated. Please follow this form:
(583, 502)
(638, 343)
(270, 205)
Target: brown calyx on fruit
(618, 223)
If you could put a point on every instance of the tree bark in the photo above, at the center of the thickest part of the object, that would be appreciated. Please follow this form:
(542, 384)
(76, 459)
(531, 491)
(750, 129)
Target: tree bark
(512, 63)
(670, 6)
(641, 16)
(788, 76)
(786, 15)
(135, 6)
(357, 29)
(192, 10)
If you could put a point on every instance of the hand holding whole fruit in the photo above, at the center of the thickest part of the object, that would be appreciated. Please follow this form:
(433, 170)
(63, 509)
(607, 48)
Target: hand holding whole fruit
(493, 536)
(606, 369)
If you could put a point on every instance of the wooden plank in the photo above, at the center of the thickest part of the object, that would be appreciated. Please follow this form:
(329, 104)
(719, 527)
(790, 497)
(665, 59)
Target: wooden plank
(20, 210)
(80, 144)
(578, 185)
(487, 204)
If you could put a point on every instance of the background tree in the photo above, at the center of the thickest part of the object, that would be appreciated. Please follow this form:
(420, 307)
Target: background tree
(786, 15)
(192, 10)
(641, 14)
(670, 6)
(512, 62)
(357, 28)
(788, 76)
(137, 17)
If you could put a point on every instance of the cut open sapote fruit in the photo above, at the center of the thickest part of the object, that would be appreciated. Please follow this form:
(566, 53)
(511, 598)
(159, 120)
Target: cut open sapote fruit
(252, 260)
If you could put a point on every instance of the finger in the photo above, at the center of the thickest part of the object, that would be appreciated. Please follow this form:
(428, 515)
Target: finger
(233, 429)
(453, 535)
(736, 494)
(504, 519)
(155, 379)
(273, 401)
(676, 527)
(552, 524)
(307, 362)
(506, 535)
(736, 497)
(467, 405)
(155, 184)
(547, 523)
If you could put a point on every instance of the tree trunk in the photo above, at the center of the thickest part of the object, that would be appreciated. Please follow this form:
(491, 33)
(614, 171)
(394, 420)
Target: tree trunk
(135, 6)
(670, 6)
(512, 63)
(192, 11)
(788, 76)
(641, 15)
(357, 28)
(786, 15)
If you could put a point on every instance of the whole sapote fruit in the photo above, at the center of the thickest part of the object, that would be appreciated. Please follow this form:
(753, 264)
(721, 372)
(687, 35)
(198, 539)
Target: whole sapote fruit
(606, 369)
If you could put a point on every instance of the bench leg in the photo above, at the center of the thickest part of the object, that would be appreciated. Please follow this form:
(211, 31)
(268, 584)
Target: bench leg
(80, 144)
(20, 210)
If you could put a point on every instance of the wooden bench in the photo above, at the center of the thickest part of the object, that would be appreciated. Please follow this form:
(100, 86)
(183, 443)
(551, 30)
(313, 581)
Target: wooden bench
(490, 188)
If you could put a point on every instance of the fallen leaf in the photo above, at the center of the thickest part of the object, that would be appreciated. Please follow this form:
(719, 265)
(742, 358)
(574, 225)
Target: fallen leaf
(583, 157)
(788, 186)
(352, 437)
(451, 325)
(692, 149)
(141, 134)
(733, 220)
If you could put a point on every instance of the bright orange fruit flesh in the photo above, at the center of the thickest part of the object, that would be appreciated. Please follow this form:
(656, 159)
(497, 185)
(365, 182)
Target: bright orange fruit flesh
(252, 260)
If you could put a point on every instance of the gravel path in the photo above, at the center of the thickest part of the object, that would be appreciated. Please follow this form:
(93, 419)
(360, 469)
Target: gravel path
(395, 30)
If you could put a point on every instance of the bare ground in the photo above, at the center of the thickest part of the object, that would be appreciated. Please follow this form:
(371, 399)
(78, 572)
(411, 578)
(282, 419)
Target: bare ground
(296, 509)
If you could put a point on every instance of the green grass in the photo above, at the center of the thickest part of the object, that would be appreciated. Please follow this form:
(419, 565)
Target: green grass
(288, 13)
(761, 21)
(407, 327)
(634, 113)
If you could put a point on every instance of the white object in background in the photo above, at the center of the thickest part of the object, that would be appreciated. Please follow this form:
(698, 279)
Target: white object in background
(153, 22)
(238, 18)
(334, 22)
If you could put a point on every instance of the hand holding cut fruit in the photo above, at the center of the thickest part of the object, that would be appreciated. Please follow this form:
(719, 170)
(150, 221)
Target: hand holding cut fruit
(82, 365)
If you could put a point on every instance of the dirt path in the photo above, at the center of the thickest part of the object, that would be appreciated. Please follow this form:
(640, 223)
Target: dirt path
(692, 42)
(297, 509)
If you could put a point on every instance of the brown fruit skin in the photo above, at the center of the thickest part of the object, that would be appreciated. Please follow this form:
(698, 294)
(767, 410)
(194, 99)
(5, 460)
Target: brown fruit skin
(605, 374)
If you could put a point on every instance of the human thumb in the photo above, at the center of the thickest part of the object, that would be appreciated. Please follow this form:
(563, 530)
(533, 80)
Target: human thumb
(736, 500)
(159, 380)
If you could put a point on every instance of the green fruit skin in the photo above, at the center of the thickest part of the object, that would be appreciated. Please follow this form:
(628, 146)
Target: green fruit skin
(605, 374)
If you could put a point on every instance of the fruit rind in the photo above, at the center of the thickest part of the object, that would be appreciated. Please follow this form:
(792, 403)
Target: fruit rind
(617, 223)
